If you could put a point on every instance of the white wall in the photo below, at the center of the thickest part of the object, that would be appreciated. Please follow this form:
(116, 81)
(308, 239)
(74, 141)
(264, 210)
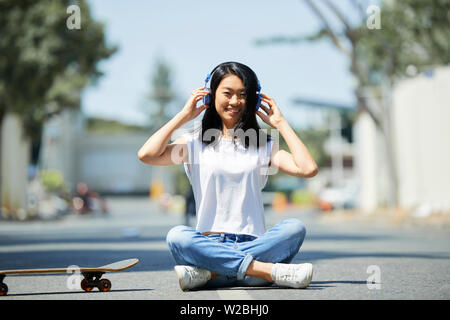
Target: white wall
(110, 163)
(422, 136)
(365, 161)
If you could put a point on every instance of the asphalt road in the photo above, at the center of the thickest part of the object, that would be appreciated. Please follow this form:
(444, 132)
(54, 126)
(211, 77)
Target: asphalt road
(351, 260)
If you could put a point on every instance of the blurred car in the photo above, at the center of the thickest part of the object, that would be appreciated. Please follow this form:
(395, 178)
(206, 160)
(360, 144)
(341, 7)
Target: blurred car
(341, 196)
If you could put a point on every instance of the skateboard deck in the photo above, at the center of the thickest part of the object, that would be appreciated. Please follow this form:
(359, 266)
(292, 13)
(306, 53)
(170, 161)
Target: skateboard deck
(92, 276)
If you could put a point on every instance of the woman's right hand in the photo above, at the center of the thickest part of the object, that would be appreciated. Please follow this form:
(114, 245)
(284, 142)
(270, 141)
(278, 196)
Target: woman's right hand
(190, 110)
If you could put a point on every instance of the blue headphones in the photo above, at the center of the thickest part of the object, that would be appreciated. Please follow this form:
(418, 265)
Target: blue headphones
(207, 98)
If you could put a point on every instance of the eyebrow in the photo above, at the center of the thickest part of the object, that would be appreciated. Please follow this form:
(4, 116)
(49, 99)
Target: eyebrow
(231, 89)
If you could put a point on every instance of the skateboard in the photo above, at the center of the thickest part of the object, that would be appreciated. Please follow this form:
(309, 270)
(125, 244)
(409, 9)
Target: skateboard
(92, 276)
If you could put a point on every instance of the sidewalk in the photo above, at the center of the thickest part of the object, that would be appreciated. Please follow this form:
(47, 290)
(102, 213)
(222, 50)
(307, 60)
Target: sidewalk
(389, 217)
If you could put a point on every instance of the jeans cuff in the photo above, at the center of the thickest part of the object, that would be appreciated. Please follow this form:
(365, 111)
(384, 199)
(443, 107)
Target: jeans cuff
(244, 266)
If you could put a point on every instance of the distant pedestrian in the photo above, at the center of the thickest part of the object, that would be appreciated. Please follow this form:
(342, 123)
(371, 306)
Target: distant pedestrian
(227, 161)
(87, 201)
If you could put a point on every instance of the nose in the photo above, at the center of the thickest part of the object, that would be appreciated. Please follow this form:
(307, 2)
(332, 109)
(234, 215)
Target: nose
(234, 100)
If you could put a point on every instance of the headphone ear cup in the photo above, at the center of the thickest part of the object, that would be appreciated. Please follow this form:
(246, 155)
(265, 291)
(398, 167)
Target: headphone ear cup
(207, 98)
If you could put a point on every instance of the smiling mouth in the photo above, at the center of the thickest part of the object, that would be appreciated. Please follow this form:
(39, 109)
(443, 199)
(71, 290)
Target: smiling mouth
(232, 111)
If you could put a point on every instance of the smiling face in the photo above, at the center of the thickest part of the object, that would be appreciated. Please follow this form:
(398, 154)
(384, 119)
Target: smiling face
(230, 100)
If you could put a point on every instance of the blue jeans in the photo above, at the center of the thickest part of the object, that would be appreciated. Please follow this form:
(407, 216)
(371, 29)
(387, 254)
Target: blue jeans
(229, 255)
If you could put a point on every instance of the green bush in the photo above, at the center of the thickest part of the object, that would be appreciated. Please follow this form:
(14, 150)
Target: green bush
(52, 180)
(302, 197)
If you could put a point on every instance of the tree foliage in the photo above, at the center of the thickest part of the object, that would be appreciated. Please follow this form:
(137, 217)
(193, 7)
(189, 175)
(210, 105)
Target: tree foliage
(43, 64)
(160, 95)
(414, 33)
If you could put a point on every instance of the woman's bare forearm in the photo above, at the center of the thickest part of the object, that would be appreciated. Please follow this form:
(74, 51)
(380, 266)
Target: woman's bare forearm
(302, 157)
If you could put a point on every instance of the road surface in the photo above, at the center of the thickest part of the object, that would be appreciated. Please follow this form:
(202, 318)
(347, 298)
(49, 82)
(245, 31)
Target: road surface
(351, 260)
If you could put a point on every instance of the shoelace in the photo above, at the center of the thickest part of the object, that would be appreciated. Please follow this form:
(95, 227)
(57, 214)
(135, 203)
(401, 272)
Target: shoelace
(196, 274)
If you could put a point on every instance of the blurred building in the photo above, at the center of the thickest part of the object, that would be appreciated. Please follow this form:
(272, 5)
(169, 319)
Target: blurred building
(421, 135)
(107, 163)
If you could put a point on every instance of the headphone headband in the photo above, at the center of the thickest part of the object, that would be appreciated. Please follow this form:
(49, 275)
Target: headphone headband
(208, 77)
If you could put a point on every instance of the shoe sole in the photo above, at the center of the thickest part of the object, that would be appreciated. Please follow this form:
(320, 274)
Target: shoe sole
(309, 277)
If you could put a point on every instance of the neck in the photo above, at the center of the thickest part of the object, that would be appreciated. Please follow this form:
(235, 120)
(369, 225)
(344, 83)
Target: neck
(227, 130)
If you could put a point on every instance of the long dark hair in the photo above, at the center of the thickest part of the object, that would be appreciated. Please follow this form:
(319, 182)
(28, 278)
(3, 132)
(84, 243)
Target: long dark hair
(247, 125)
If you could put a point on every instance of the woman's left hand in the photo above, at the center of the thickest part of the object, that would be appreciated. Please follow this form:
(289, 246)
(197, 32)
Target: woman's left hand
(272, 115)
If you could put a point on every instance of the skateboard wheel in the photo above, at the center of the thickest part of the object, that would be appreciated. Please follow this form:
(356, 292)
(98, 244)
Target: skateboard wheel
(104, 285)
(85, 286)
(3, 289)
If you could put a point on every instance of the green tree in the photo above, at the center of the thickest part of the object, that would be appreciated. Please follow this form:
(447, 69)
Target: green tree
(160, 96)
(413, 33)
(43, 64)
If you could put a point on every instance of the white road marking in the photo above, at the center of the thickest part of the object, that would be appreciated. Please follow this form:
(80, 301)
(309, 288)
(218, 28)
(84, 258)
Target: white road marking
(232, 294)
(156, 245)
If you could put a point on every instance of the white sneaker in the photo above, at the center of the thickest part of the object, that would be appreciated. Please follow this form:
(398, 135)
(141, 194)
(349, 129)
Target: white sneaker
(191, 277)
(292, 275)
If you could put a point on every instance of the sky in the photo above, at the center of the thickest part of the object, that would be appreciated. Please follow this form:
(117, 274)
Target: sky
(195, 36)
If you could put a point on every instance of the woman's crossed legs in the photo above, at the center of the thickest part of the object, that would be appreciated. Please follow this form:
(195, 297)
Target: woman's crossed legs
(240, 260)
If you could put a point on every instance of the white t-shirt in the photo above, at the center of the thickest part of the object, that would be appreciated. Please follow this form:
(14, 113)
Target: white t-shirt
(227, 180)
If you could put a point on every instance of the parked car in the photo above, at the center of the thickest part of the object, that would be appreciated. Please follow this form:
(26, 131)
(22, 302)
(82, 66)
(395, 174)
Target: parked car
(341, 196)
